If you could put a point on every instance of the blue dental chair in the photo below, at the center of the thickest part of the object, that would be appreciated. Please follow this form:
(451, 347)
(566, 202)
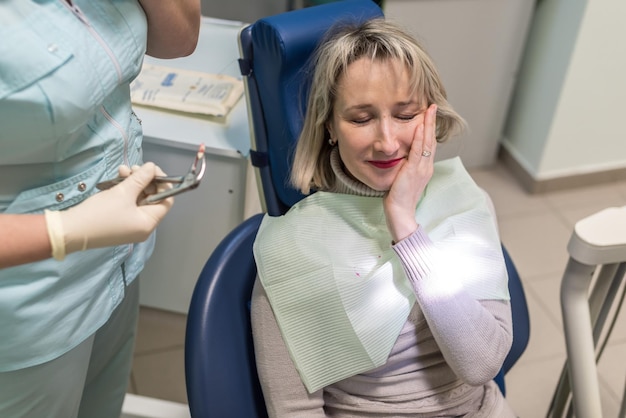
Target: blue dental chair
(220, 367)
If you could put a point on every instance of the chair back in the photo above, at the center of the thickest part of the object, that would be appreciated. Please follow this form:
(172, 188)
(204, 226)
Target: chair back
(520, 319)
(274, 53)
(519, 312)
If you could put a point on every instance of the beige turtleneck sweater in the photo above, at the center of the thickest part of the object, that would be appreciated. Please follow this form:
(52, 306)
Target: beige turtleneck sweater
(442, 364)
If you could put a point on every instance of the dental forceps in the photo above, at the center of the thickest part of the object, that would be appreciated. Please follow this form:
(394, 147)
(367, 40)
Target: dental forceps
(183, 183)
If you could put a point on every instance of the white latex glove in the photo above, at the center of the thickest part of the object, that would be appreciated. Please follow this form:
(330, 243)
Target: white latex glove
(111, 217)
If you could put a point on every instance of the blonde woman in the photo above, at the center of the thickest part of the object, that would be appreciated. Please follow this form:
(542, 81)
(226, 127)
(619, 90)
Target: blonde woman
(383, 293)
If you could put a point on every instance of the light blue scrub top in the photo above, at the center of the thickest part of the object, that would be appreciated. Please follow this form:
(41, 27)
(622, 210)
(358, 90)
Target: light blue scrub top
(66, 123)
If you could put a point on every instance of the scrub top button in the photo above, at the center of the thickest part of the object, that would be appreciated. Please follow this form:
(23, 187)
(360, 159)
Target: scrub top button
(82, 187)
(60, 197)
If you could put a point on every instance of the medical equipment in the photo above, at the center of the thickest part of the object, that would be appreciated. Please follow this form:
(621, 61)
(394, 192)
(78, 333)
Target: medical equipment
(590, 289)
(186, 182)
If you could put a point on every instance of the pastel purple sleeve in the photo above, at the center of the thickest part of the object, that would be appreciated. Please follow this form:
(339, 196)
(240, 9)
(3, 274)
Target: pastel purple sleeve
(473, 335)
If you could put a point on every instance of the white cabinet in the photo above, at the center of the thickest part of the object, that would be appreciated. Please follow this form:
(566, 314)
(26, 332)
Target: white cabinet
(194, 226)
(202, 217)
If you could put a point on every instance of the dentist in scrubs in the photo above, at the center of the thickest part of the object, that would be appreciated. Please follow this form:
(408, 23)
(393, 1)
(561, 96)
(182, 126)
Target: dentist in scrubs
(70, 256)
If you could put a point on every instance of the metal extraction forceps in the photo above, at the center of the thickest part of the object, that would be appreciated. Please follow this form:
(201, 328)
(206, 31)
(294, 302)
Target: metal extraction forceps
(183, 183)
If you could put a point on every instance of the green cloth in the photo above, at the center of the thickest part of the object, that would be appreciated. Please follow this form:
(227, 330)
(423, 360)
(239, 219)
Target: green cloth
(337, 288)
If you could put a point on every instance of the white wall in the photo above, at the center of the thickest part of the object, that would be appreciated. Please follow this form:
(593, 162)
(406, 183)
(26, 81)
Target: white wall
(570, 96)
(477, 46)
(242, 10)
(568, 111)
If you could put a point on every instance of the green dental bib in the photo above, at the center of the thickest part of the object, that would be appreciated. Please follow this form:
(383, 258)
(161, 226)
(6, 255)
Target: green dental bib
(338, 290)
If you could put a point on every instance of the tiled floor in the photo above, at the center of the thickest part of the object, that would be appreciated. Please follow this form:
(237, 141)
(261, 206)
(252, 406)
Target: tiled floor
(535, 229)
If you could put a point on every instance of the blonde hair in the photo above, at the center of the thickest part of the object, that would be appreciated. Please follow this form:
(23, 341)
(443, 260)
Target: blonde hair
(377, 39)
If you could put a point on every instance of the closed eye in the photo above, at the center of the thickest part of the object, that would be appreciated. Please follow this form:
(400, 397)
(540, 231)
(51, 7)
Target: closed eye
(361, 121)
(407, 117)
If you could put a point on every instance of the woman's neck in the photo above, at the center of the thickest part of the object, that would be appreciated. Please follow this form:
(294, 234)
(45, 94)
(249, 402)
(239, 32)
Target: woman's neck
(345, 183)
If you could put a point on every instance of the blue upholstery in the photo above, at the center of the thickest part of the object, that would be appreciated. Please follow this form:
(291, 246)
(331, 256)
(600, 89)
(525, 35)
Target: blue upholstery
(219, 357)
(220, 370)
(274, 53)
(521, 320)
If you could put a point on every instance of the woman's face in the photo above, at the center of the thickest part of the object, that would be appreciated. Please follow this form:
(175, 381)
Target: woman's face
(374, 119)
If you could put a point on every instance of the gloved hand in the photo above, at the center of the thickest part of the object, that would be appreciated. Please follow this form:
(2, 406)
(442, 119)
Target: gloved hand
(111, 217)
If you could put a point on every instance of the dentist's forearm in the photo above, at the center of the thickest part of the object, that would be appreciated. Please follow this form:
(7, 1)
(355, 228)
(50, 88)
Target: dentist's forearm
(24, 239)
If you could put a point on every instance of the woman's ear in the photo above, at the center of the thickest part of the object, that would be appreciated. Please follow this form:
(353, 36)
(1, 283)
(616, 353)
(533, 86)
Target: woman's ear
(329, 128)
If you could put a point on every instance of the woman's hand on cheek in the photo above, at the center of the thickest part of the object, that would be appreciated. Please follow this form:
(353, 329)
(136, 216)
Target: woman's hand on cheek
(401, 200)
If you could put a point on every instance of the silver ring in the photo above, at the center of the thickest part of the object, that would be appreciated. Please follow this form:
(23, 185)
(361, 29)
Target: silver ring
(426, 153)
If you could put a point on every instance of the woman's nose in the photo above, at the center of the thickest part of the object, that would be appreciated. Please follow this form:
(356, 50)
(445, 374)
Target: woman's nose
(387, 141)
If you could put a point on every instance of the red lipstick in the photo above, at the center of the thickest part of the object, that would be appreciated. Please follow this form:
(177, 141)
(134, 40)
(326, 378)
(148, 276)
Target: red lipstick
(386, 164)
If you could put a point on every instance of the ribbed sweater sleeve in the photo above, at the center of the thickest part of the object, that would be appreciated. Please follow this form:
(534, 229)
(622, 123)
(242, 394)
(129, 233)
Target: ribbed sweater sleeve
(474, 336)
